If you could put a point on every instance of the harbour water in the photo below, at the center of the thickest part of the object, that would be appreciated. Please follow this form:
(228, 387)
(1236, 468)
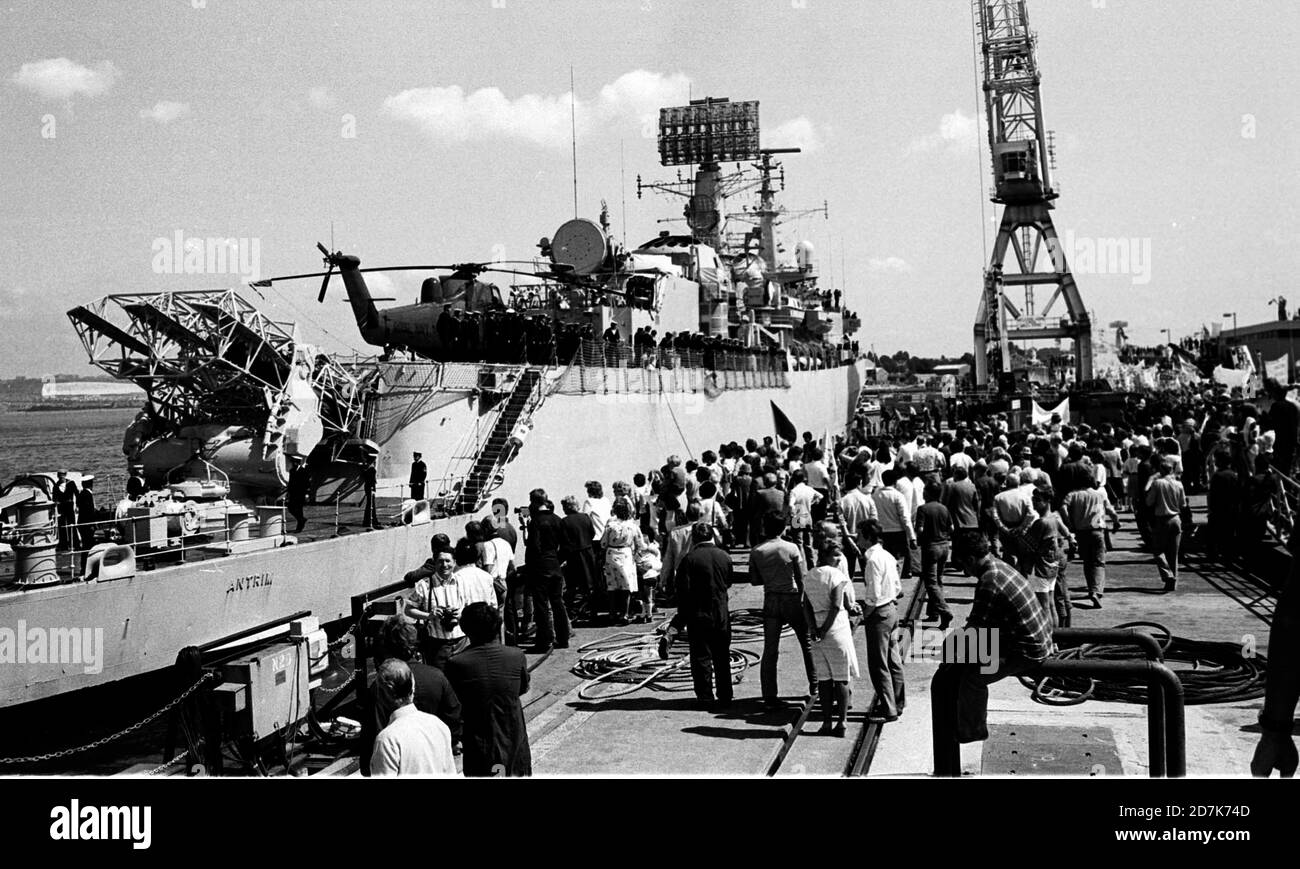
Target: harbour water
(88, 441)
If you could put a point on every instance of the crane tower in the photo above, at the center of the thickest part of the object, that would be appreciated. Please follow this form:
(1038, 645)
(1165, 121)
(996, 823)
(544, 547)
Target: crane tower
(1023, 159)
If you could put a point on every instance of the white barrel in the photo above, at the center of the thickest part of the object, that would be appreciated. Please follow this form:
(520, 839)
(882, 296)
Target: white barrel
(36, 564)
(239, 523)
(270, 522)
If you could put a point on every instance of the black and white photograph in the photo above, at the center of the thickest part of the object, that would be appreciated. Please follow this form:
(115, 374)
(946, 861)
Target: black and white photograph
(819, 391)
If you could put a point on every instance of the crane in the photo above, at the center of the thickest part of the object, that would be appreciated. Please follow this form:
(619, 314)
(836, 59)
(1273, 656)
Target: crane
(1023, 157)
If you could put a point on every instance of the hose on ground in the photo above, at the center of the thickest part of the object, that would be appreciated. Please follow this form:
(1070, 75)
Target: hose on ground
(1211, 672)
(631, 659)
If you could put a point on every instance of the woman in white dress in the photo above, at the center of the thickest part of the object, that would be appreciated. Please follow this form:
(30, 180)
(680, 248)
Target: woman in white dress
(828, 594)
(621, 542)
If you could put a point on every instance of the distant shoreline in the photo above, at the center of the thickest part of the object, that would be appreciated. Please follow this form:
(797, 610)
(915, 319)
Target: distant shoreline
(61, 407)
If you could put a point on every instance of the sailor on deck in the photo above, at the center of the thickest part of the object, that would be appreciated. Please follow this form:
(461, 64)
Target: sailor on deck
(65, 501)
(86, 513)
(419, 473)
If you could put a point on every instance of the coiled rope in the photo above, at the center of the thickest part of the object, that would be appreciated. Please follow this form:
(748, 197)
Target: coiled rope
(1215, 672)
(631, 659)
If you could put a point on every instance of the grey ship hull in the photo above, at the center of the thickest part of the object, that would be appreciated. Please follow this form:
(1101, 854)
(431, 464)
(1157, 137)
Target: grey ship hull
(148, 618)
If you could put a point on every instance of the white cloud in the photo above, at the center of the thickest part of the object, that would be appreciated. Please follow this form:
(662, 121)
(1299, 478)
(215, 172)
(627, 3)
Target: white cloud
(321, 98)
(382, 285)
(61, 79)
(448, 114)
(890, 265)
(11, 302)
(166, 111)
(796, 133)
(958, 133)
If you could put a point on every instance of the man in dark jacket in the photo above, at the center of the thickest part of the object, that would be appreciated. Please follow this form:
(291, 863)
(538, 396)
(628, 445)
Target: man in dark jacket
(368, 485)
(65, 502)
(86, 515)
(542, 562)
(703, 592)
(295, 496)
(767, 501)
(580, 573)
(1224, 506)
(419, 473)
(433, 693)
(488, 678)
(1284, 419)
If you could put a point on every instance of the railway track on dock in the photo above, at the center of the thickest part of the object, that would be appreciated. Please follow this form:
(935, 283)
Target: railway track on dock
(867, 738)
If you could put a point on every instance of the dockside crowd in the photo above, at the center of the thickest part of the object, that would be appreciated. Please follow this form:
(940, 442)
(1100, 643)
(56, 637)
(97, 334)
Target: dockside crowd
(1014, 508)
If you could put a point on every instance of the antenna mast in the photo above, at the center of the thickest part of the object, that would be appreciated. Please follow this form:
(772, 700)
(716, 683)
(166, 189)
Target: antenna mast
(573, 138)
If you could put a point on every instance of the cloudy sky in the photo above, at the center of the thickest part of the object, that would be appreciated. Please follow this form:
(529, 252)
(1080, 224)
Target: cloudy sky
(440, 131)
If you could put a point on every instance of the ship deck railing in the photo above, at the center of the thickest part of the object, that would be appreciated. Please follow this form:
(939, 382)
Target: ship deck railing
(324, 520)
(598, 353)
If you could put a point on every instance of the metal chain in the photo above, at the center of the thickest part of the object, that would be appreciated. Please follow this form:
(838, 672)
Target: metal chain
(65, 752)
(338, 644)
(346, 683)
(157, 770)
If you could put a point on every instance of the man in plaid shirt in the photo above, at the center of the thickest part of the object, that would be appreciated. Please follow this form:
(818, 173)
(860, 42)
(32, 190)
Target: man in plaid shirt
(1006, 606)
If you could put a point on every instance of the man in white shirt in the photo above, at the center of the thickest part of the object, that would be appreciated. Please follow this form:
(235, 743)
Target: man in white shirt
(855, 508)
(929, 460)
(961, 459)
(912, 485)
(597, 506)
(907, 452)
(894, 513)
(497, 558)
(880, 610)
(801, 500)
(413, 742)
(435, 602)
(475, 582)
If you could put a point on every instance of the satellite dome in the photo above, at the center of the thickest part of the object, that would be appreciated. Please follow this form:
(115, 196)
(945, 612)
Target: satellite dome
(580, 244)
(805, 256)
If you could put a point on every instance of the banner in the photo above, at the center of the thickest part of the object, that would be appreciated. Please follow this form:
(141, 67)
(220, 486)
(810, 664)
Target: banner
(1231, 377)
(1279, 369)
(1044, 417)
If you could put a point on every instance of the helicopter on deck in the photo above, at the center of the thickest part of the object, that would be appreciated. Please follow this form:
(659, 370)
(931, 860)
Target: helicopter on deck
(582, 278)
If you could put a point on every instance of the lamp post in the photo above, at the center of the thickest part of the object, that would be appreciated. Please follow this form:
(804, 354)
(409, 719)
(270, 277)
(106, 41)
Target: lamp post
(1233, 315)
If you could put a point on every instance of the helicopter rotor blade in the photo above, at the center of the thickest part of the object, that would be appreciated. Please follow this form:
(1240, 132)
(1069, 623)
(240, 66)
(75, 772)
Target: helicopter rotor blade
(324, 285)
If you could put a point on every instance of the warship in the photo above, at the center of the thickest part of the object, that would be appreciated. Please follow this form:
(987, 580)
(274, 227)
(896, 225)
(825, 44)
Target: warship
(589, 362)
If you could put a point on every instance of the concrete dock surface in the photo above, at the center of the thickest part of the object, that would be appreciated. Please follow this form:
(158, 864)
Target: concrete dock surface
(652, 731)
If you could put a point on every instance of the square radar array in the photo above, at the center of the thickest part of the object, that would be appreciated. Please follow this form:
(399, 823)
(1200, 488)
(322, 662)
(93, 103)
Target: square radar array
(708, 131)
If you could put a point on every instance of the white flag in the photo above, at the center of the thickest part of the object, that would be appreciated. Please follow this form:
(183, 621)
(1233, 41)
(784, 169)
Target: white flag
(1279, 369)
